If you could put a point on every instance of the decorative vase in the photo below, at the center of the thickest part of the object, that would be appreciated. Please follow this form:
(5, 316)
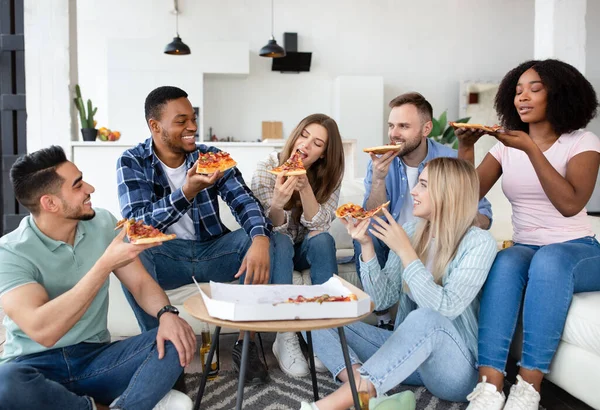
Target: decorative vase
(89, 134)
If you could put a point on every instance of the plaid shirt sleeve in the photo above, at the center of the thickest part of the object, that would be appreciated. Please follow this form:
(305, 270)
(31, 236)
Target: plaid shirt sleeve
(243, 204)
(263, 184)
(322, 219)
(136, 193)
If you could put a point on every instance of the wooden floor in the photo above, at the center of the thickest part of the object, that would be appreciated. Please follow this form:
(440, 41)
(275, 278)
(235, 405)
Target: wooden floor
(553, 397)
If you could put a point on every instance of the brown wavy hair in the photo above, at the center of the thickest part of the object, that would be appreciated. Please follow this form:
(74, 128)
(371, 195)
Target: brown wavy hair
(325, 175)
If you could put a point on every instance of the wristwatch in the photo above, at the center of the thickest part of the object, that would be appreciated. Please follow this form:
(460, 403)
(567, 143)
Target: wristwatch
(167, 308)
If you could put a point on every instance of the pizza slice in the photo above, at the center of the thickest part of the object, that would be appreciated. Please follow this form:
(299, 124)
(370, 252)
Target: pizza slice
(486, 128)
(293, 166)
(138, 233)
(210, 162)
(322, 298)
(382, 149)
(357, 211)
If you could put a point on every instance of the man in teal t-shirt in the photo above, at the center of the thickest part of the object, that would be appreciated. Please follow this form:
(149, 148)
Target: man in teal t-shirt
(54, 271)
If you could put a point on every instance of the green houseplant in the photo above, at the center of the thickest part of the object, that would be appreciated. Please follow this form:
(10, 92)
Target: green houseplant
(88, 125)
(444, 133)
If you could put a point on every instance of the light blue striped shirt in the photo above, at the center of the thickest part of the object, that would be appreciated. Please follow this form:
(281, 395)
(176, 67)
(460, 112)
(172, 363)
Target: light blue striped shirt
(458, 296)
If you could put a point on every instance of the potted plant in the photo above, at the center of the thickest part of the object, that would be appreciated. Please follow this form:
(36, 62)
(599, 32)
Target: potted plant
(444, 133)
(88, 130)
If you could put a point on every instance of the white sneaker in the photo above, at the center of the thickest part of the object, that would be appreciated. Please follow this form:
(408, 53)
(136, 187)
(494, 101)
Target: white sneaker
(174, 400)
(319, 366)
(522, 396)
(286, 349)
(485, 396)
(308, 406)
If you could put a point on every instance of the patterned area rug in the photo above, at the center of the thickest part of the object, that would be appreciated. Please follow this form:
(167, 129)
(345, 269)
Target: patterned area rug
(284, 392)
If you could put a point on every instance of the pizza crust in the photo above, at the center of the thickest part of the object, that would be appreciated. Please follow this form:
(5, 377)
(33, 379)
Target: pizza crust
(382, 149)
(287, 173)
(200, 170)
(162, 238)
(493, 128)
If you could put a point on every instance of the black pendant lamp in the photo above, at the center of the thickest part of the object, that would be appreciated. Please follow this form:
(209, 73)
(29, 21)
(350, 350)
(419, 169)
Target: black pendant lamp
(177, 47)
(272, 49)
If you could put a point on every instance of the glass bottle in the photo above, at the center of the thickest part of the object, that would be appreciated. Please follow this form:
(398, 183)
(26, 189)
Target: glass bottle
(365, 392)
(205, 349)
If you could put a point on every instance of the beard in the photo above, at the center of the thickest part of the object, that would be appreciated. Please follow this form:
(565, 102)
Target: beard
(168, 140)
(77, 213)
(409, 147)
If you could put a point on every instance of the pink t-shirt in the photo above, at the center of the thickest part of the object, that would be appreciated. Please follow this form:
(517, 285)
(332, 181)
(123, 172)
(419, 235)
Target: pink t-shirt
(535, 220)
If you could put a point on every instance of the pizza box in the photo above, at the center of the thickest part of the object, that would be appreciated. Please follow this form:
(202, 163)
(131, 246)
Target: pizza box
(267, 302)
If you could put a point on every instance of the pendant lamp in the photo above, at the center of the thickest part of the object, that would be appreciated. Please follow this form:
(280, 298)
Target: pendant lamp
(177, 47)
(272, 49)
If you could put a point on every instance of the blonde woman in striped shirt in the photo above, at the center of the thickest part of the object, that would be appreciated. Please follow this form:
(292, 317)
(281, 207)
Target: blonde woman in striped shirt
(435, 271)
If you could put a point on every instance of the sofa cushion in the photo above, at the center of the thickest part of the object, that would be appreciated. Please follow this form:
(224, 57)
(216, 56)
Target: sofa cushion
(582, 327)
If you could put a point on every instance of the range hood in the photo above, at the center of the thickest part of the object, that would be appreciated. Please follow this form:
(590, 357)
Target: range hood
(294, 61)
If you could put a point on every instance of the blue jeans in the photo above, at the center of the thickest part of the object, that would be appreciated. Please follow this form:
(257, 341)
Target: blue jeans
(424, 350)
(174, 263)
(541, 280)
(318, 254)
(67, 378)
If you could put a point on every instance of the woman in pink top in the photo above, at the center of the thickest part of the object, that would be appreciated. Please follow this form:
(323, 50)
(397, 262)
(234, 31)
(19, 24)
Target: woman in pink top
(549, 166)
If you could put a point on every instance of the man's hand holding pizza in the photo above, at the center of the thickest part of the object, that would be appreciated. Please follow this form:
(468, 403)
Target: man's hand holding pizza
(194, 182)
(120, 253)
(381, 164)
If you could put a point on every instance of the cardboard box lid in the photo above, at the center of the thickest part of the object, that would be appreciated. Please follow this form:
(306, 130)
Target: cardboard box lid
(266, 302)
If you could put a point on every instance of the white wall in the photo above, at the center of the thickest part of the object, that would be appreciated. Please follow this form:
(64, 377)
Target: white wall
(592, 72)
(428, 46)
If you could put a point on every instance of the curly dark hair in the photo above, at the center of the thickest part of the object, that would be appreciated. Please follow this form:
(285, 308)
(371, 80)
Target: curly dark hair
(572, 101)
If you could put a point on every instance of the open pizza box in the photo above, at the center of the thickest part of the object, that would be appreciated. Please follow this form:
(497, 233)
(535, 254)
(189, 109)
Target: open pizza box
(268, 302)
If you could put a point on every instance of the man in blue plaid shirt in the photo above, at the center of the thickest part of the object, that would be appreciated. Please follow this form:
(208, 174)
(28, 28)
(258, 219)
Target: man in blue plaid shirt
(158, 184)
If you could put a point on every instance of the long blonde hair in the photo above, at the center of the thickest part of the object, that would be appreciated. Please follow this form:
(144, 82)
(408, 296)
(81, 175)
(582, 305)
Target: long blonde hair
(325, 175)
(453, 187)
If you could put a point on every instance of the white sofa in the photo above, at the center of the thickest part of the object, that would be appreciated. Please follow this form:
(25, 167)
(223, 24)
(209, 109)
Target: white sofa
(576, 366)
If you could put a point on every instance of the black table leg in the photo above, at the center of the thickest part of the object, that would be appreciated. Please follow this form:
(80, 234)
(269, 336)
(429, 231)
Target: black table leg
(349, 369)
(313, 371)
(240, 392)
(213, 346)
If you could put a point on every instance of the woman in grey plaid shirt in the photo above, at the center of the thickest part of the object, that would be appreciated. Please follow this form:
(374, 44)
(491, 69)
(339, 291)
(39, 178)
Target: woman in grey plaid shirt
(303, 207)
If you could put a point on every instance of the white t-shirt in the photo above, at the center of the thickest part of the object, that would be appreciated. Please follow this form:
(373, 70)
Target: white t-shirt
(184, 228)
(406, 214)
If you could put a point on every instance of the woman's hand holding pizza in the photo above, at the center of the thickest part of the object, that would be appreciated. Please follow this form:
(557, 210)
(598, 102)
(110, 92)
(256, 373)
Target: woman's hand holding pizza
(390, 232)
(515, 139)
(302, 183)
(357, 229)
(284, 188)
(468, 136)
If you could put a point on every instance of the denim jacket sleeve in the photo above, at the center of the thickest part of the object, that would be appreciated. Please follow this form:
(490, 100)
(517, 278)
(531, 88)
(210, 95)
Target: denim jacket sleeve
(485, 208)
(136, 193)
(368, 181)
